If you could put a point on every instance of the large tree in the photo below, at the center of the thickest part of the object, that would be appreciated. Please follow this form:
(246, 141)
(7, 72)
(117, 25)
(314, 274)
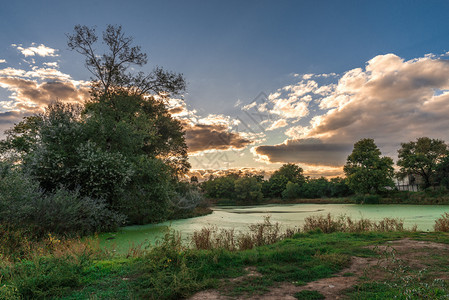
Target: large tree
(366, 171)
(110, 69)
(128, 111)
(421, 157)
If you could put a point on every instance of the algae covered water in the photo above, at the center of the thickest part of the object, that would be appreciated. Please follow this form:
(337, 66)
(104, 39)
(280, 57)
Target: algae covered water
(289, 215)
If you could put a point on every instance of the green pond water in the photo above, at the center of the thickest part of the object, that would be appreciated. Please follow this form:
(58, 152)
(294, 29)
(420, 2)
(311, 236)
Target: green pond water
(239, 217)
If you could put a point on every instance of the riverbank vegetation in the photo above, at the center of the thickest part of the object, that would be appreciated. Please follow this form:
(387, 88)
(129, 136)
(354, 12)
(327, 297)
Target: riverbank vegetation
(324, 246)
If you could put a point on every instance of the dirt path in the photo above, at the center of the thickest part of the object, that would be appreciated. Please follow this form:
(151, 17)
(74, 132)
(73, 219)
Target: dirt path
(409, 252)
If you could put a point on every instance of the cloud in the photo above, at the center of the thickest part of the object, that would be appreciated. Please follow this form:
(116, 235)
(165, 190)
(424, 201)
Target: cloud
(29, 94)
(51, 64)
(203, 137)
(307, 151)
(391, 100)
(2, 61)
(278, 124)
(40, 50)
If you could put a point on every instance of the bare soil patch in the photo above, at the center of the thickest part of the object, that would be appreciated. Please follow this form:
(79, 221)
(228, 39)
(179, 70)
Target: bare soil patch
(410, 253)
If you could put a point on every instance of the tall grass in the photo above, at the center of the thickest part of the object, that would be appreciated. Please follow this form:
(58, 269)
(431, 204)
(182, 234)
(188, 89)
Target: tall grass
(264, 233)
(329, 224)
(442, 223)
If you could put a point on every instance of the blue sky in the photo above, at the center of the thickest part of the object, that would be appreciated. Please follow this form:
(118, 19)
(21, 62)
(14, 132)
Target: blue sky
(232, 51)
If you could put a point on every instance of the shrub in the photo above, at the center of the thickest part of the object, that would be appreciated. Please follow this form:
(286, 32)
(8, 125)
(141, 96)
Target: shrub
(24, 205)
(442, 224)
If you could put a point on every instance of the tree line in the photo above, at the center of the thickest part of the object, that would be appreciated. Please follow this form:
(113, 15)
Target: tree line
(366, 173)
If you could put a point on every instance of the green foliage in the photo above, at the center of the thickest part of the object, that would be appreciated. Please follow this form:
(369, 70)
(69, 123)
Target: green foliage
(292, 191)
(421, 157)
(248, 189)
(146, 199)
(442, 172)
(366, 171)
(274, 187)
(220, 187)
(24, 205)
(133, 126)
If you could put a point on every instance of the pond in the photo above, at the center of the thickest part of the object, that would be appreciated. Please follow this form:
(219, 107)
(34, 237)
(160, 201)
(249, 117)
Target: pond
(239, 217)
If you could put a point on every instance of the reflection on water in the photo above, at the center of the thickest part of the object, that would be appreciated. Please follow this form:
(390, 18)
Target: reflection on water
(239, 217)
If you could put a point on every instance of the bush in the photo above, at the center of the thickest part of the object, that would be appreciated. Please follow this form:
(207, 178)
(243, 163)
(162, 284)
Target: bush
(24, 205)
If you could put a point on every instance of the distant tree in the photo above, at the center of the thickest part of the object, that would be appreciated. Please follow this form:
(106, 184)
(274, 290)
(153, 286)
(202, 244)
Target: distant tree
(442, 172)
(109, 70)
(366, 171)
(292, 172)
(194, 179)
(248, 189)
(291, 191)
(278, 181)
(421, 157)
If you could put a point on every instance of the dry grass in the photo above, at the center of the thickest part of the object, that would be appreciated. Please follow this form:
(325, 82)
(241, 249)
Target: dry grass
(329, 224)
(442, 224)
(259, 234)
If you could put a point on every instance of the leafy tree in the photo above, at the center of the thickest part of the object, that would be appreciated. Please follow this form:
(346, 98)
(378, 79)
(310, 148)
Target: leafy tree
(442, 172)
(292, 172)
(339, 187)
(220, 187)
(275, 186)
(421, 157)
(278, 181)
(366, 171)
(135, 125)
(292, 191)
(248, 189)
(316, 188)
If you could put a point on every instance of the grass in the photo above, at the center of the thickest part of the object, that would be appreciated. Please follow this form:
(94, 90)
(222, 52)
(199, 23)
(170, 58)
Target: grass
(309, 295)
(79, 269)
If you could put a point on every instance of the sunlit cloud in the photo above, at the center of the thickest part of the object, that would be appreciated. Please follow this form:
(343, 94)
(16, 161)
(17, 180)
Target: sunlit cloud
(33, 50)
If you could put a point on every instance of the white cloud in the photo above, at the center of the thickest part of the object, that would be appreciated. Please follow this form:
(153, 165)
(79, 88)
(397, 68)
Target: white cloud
(2, 61)
(40, 50)
(51, 64)
(278, 124)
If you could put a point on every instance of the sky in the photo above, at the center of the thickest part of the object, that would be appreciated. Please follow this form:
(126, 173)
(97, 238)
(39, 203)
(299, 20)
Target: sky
(268, 82)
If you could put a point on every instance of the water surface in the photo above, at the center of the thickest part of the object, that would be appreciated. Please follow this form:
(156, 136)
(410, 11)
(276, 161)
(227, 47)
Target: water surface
(239, 217)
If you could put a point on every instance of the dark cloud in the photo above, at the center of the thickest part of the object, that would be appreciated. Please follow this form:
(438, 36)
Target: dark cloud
(29, 91)
(201, 137)
(176, 110)
(307, 151)
(8, 119)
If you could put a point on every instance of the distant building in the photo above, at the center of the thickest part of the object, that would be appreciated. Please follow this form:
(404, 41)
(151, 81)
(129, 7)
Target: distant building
(410, 183)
